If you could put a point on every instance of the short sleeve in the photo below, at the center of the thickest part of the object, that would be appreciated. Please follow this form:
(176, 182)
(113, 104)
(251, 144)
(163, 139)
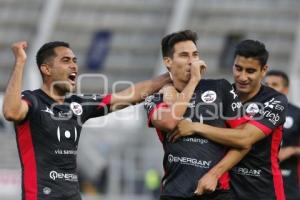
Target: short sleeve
(95, 105)
(232, 106)
(153, 103)
(31, 100)
(271, 115)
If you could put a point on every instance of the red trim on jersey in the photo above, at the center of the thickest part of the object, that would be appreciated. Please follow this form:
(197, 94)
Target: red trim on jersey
(28, 161)
(158, 106)
(233, 123)
(267, 131)
(105, 101)
(224, 181)
(277, 178)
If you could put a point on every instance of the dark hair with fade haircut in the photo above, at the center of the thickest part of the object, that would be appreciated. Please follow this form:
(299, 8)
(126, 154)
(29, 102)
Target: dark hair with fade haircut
(252, 49)
(283, 75)
(169, 41)
(47, 51)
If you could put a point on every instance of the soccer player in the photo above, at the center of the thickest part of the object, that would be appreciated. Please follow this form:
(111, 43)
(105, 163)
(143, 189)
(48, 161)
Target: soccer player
(290, 149)
(48, 124)
(191, 157)
(258, 175)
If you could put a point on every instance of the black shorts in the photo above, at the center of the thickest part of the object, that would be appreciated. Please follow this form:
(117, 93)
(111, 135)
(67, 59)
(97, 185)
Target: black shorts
(216, 195)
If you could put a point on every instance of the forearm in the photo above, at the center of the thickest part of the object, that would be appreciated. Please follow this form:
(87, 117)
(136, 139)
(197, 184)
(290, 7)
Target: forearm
(139, 91)
(287, 152)
(179, 107)
(233, 157)
(236, 138)
(12, 98)
(167, 119)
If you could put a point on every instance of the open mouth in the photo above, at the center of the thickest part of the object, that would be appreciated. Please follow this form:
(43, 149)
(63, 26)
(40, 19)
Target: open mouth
(72, 77)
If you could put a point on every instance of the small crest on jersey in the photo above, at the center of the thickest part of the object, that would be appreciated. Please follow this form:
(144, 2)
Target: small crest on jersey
(76, 108)
(289, 122)
(252, 109)
(209, 96)
(46, 190)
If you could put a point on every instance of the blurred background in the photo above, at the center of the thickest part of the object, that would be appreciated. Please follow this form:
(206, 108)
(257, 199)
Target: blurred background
(122, 158)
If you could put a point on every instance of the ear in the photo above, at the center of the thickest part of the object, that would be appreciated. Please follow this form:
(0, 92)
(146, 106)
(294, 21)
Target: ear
(168, 63)
(264, 70)
(45, 69)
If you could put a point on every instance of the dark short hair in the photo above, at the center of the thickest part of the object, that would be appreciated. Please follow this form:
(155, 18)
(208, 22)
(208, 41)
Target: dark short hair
(47, 51)
(252, 49)
(283, 75)
(169, 41)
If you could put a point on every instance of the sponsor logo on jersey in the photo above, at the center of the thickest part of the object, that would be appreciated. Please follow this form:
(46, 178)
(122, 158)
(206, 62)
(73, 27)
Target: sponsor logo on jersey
(65, 152)
(48, 110)
(274, 104)
(209, 96)
(272, 117)
(233, 93)
(195, 140)
(46, 190)
(289, 122)
(236, 105)
(252, 109)
(246, 171)
(67, 134)
(148, 102)
(54, 175)
(286, 172)
(189, 161)
(76, 108)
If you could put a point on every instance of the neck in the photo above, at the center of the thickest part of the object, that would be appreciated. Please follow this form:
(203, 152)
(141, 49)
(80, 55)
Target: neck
(247, 96)
(54, 93)
(179, 85)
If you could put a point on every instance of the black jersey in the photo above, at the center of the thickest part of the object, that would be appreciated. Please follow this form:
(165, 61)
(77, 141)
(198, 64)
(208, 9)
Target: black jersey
(258, 175)
(47, 142)
(290, 167)
(215, 103)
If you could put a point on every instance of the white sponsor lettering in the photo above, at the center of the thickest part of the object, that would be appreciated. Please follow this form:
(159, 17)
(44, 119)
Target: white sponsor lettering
(236, 105)
(189, 161)
(196, 140)
(246, 171)
(65, 152)
(272, 117)
(67, 177)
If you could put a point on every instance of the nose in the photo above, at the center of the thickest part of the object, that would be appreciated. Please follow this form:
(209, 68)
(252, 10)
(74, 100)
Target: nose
(243, 76)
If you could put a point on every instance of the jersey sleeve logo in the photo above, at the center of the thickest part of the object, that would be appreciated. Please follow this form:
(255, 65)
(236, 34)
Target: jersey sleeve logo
(209, 96)
(76, 108)
(274, 104)
(289, 122)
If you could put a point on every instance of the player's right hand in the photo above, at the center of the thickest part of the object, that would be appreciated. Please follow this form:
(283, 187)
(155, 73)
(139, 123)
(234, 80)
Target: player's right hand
(197, 70)
(18, 49)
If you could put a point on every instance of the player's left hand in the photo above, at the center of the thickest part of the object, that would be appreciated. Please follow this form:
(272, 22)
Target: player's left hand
(183, 128)
(206, 184)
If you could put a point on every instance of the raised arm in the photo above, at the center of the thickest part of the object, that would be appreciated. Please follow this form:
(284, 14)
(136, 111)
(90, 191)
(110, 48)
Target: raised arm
(14, 108)
(138, 91)
(167, 119)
